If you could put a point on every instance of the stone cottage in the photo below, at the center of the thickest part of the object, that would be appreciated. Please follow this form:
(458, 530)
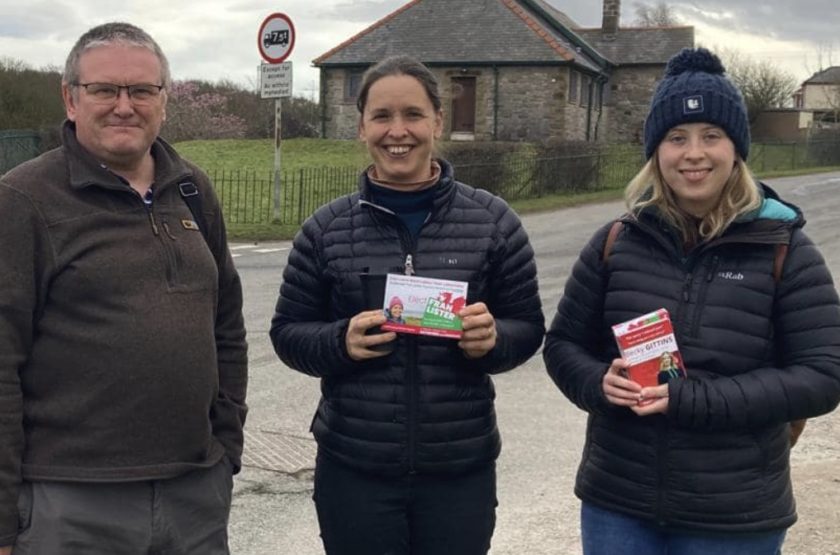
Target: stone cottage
(510, 70)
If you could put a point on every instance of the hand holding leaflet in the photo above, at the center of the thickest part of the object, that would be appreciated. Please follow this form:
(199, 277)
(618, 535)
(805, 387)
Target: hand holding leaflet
(648, 345)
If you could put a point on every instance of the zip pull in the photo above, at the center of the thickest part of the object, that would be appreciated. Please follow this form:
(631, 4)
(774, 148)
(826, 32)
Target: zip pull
(712, 269)
(154, 225)
(409, 265)
(168, 232)
(687, 287)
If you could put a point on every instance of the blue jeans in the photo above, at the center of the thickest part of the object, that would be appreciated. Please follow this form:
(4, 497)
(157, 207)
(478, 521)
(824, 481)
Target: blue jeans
(609, 533)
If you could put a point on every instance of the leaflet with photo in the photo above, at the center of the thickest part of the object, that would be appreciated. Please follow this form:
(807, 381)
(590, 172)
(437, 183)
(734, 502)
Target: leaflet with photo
(424, 306)
(648, 344)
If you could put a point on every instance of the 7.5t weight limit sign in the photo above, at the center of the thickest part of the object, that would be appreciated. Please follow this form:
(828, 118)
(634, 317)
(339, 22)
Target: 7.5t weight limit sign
(276, 38)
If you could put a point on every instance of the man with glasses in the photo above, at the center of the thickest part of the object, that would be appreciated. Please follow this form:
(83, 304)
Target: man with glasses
(122, 345)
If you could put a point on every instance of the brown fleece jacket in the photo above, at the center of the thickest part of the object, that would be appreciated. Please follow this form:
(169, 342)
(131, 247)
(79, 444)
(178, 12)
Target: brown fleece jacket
(122, 342)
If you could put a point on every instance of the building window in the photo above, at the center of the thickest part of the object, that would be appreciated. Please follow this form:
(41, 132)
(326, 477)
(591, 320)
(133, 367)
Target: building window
(798, 100)
(352, 83)
(573, 86)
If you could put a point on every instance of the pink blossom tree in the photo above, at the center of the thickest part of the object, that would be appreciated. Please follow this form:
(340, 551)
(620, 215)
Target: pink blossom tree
(192, 114)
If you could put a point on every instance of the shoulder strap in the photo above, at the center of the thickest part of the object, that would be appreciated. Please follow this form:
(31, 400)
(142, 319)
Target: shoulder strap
(796, 426)
(779, 261)
(616, 228)
(189, 192)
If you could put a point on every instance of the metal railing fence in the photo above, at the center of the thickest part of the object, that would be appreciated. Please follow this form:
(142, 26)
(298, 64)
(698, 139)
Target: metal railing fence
(17, 147)
(247, 195)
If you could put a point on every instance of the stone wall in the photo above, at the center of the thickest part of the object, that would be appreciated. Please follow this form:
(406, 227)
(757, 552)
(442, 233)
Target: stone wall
(341, 117)
(531, 106)
(627, 102)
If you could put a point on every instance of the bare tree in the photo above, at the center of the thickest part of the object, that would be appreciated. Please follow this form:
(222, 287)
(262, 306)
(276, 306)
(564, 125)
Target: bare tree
(655, 15)
(763, 84)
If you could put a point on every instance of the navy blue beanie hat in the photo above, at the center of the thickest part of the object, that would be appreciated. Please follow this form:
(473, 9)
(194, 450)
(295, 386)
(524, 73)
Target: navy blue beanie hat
(695, 90)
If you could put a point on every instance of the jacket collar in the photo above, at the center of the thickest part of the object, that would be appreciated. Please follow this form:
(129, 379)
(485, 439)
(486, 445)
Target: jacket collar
(85, 170)
(774, 208)
(444, 188)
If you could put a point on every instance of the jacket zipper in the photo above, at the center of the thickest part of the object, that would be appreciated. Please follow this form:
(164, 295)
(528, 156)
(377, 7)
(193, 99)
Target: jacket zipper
(662, 451)
(411, 380)
(701, 296)
(682, 307)
(408, 245)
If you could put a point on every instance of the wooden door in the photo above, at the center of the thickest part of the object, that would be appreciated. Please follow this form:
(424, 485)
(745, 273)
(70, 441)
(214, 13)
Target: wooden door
(463, 104)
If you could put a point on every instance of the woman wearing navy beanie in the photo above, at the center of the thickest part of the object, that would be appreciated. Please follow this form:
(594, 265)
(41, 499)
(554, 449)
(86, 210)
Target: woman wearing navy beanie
(698, 465)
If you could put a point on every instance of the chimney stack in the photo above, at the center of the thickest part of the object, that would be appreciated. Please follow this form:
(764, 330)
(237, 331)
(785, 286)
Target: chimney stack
(609, 23)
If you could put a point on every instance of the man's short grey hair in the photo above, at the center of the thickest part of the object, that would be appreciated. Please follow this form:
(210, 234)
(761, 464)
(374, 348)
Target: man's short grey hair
(109, 34)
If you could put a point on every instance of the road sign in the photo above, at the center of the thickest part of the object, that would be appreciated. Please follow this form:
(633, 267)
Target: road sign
(276, 80)
(276, 38)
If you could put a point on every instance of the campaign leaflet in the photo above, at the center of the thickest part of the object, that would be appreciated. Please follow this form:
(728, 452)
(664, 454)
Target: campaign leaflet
(648, 345)
(424, 306)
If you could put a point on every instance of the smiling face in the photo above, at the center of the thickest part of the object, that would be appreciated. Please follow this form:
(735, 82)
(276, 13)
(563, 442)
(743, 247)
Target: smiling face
(396, 311)
(118, 133)
(696, 160)
(399, 126)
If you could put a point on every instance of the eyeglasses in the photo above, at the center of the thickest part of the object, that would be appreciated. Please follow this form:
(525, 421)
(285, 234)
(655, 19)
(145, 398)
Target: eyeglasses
(106, 93)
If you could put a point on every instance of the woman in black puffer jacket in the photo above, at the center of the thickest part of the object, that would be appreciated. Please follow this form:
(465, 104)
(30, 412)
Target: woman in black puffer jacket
(406, 428)
(702, 467)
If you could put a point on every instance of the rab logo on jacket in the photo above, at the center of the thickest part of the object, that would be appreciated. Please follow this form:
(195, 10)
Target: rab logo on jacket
(735, 276)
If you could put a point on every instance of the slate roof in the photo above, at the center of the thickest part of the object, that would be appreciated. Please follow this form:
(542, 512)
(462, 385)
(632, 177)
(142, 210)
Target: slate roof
(521, 35)
(652, 45)
(561, 17)
(830, 76)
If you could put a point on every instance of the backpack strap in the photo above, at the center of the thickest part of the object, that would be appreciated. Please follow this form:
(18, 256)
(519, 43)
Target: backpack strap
(189, 192)
(796, 426)
(616, 228)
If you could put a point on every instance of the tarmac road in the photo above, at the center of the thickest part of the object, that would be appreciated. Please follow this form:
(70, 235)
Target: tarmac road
(542, 432)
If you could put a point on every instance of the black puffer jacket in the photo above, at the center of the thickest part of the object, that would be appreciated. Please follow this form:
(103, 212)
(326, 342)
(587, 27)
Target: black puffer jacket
(425, 407)
(758, 355)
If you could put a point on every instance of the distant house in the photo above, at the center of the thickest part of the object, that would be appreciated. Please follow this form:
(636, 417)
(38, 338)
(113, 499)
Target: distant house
(510, 69)
(816, 107)
(820, 95)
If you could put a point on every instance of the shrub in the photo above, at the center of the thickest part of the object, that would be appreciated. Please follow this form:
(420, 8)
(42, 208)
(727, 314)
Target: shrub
(486, 165)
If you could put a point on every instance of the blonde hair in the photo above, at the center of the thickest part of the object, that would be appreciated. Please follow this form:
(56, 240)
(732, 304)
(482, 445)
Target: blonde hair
(740, 195)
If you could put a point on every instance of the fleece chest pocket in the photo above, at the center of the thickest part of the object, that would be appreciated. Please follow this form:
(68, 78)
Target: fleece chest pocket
(188, 262)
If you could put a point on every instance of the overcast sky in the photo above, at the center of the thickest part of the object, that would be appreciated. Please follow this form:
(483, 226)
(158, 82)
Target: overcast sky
(216, 39)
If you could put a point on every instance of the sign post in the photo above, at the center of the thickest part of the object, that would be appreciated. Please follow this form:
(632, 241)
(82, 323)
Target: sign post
(275, 40)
